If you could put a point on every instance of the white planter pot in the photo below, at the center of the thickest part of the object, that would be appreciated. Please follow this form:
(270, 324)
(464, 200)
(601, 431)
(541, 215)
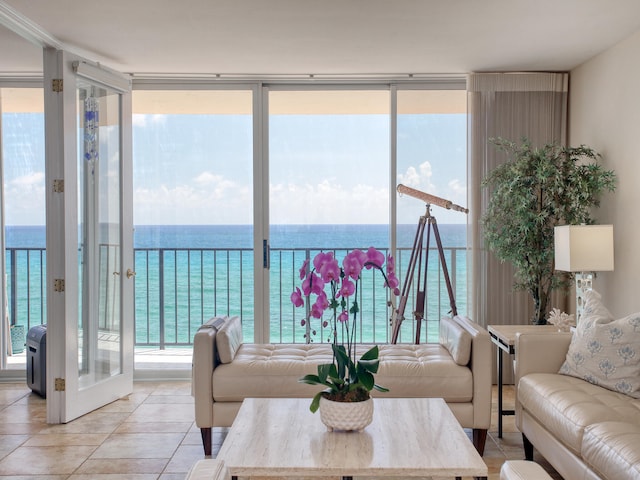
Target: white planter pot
(348, 416)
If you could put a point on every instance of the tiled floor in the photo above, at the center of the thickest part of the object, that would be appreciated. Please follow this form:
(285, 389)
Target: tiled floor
(148, 435)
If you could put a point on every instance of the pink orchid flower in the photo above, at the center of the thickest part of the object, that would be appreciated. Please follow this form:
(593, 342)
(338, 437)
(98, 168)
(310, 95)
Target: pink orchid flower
(343, 317)
(347, 288)
(312, 284)
(321, 304)
(374, 257)
(353, 263)
(393, 282)
(391, 265)
(303, 269)
(321, 258)
(296, 298)
(330, 270)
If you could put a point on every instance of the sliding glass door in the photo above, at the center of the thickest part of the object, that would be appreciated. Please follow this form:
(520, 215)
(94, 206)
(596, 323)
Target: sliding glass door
(328, 190)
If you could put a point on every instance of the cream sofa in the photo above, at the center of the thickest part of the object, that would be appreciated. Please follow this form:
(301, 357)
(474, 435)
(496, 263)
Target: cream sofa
(585, 431)
(226, 371)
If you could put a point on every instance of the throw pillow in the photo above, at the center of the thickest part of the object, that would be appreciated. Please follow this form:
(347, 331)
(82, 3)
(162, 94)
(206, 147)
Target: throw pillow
(604, 351)
(229, 339)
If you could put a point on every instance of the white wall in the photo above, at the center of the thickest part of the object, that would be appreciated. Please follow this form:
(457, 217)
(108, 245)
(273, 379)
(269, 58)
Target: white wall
(604, 113)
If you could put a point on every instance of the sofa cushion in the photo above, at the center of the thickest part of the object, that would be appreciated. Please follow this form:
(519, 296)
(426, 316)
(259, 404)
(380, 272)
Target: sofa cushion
(566, 405)
(604, 351)
(229, 339)
(612, 449)
(456, 340)
(273, 370)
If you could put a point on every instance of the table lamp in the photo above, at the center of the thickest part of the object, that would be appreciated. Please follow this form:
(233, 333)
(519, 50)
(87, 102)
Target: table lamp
(583, 249)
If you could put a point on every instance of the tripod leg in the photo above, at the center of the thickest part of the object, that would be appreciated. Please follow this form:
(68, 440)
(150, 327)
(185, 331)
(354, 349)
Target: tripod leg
(416, 257)
(419, 312)
(445, 271)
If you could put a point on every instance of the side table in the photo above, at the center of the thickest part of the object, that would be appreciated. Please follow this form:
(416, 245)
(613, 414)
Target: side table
(504, 336)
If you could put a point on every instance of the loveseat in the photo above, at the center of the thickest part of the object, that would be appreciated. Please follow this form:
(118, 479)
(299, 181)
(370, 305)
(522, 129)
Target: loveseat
(585, 429)
(226, 371)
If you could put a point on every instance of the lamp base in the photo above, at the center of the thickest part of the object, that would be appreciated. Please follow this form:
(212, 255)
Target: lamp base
(584, 283)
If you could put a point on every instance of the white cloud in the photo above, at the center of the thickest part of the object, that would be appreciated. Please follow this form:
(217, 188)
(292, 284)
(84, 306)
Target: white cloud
(420, 179)
(32, 180)
(25, 200)
(327, 202)
(207, 178)
(211, 199)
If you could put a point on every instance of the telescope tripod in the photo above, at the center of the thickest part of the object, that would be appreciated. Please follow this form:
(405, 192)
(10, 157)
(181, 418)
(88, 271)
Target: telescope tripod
(416, 260)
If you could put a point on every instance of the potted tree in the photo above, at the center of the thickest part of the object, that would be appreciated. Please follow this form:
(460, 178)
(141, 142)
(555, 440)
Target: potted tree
(535, 190)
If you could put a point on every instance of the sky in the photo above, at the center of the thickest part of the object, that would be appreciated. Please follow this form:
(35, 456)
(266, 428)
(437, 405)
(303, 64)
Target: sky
(197, 169)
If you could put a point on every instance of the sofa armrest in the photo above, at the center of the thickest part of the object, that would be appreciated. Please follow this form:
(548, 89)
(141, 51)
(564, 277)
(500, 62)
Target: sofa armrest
(480, 365)
(542, 352)
(205, 360)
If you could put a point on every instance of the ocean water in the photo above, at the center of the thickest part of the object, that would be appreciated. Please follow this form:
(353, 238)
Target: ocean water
(187, 274)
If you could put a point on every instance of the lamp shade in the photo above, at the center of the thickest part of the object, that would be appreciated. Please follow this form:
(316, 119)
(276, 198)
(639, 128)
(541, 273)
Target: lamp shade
(583, 248)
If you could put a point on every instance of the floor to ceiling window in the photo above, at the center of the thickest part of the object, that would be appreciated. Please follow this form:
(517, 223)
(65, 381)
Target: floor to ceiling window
(327, 169)
(193, 211)
(329, 190)
(432, 158)
(23, 207)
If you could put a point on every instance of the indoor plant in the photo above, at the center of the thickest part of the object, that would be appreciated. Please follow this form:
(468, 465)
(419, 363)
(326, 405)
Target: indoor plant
(347, 379)
(535, 190)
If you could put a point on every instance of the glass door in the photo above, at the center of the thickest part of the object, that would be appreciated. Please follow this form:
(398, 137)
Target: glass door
(328, 190)
(99, 230)
(93, 323)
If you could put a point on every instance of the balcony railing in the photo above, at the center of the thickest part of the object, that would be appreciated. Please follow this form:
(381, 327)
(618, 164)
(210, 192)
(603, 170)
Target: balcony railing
(178, 289)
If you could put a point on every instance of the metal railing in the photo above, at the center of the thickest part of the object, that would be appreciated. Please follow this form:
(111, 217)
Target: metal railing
(178, 289)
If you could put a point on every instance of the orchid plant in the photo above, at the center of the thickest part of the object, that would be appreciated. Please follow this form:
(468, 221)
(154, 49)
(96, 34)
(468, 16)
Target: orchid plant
(347, 379)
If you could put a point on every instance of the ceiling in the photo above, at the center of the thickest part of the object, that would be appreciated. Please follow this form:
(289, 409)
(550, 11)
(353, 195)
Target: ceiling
(329, 37)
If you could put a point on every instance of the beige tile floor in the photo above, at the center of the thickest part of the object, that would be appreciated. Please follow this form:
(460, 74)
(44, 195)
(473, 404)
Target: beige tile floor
(148, 435)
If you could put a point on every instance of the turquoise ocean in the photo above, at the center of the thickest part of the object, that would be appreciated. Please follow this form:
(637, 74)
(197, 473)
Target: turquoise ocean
(187, 274)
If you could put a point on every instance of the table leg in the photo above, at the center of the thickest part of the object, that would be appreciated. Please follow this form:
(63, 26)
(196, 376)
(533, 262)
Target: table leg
(499, 392)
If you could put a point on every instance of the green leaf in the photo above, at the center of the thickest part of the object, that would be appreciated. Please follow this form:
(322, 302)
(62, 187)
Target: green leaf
(371, 354)
(325, 371)
(380, 388)
(367, 380)
(311, 380)
(315, 403)
(368, 365)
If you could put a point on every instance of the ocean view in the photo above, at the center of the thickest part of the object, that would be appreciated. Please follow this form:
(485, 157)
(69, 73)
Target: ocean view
(186, 274)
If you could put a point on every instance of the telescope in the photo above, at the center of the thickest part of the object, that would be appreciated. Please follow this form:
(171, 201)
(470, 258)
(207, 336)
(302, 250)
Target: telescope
(430, 199)
(429, 222)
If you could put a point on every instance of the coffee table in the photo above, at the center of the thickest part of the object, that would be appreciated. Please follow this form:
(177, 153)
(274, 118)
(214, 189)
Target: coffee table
(409, 437)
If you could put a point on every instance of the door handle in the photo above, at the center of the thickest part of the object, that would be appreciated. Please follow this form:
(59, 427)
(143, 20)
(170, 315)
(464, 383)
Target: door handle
(130, 273)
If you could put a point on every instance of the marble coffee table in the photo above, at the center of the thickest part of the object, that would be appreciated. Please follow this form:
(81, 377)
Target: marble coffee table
(409, 437)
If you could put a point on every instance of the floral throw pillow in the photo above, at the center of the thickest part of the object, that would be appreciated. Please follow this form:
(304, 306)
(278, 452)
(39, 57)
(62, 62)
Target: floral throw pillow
(604, 351)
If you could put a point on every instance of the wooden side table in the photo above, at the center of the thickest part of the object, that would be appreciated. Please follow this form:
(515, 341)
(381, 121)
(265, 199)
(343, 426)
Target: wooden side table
(504, 336)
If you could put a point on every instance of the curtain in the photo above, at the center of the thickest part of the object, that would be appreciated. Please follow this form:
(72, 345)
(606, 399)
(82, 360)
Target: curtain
(511, 106)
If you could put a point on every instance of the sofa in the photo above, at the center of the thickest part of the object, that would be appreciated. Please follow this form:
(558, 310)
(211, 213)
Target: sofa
(584, 429)
(226, 371)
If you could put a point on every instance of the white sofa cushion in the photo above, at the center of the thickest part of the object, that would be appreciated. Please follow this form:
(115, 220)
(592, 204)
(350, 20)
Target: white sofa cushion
(566, 406)
(612, 449)
(273, 370)
(522, 470)
(229, 339)
(604, 351)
